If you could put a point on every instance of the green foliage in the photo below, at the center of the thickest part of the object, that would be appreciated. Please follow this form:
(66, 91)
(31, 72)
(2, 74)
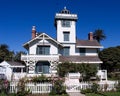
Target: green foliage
(104, 94)
(118, 86)
(5, 54)
(40, 78)
(4, 86)
(21, 88)
(94, 88)
(111, 58)
(87, 70)
(84, 91)
(17, 56)
(3, 93)
(58, 88)
(99, 35)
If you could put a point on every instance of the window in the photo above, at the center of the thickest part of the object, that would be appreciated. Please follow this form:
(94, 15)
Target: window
(42, 67)
(82, 50)
(66, 36)
(16, 70)
(43, 50)
(66, 51)
(65, 23)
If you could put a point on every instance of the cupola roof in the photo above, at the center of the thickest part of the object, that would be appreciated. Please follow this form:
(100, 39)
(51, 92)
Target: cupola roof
(65, 11)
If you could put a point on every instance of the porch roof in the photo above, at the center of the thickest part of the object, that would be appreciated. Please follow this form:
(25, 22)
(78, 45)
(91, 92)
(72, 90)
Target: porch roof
(80, 59)
(15, 64)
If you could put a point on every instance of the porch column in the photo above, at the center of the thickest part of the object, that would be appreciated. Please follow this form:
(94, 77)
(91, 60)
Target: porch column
(31, 66)
(53, 67)
(21, 70)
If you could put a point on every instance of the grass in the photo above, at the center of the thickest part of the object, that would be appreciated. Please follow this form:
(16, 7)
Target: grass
(37, 95)
(104, 94)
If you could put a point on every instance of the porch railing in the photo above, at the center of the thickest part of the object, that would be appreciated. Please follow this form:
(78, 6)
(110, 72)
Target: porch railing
(33, 87)
(39, 57)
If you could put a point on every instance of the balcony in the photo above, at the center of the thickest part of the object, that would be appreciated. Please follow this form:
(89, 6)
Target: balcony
(35, 57)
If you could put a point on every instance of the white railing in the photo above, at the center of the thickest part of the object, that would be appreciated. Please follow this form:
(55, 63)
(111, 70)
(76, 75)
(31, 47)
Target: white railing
(47, 87)
(18, 75)
(84, 85)
(40, 57)
(58, 15)
(77, 87)
(33, 87)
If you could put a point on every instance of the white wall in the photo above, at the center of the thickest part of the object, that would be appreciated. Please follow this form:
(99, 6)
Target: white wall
(8, 70)
(33, 47)
(72, 30)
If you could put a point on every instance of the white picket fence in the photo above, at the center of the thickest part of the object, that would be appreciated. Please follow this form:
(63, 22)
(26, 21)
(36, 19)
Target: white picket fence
(33, 87)
(77, 87)
(47, 87)
(111, 85)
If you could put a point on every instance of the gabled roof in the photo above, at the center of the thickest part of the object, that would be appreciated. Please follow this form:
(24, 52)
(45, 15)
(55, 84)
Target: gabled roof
(88, 44)
(15, 64)
(11, 64)
(41, 36)
(80, 59)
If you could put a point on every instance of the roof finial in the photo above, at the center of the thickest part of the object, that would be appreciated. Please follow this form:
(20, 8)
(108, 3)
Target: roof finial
(65, 7)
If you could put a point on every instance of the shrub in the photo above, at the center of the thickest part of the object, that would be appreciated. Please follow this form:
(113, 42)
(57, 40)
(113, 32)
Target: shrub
(40, 78)
(84, 91)
(21, 88)
(4, 86)
(94, 88)
(58, 88)
(118, 86)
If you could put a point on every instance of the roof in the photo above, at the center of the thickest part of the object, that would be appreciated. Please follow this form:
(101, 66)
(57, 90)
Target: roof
(15, 64)
(88, 44)
(80, 59)
(65, 11)
(12, 64)
(41, 36)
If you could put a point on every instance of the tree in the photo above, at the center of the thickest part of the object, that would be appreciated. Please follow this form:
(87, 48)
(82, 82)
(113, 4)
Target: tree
(99, 35)
(17, 56)
(111, 58)
(4, 51)
(88, 70)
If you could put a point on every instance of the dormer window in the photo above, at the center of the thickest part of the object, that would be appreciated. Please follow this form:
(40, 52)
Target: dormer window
(65, 23)
(43, 50)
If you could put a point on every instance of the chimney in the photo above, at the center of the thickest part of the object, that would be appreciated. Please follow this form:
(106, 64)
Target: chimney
(90, 36)
(33, 32)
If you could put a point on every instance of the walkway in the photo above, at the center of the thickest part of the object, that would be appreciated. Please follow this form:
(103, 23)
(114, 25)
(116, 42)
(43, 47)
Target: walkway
(75, 94)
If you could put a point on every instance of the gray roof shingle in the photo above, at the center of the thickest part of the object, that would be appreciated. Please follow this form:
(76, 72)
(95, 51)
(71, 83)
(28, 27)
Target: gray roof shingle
(80, 59)
(87, 43)
(13, 63)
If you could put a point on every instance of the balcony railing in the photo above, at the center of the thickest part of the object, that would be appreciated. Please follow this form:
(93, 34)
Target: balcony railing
(39, 57)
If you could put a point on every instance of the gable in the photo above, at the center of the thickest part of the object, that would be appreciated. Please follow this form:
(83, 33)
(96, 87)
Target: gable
(42, 39)
(5, 64)
(11, 64)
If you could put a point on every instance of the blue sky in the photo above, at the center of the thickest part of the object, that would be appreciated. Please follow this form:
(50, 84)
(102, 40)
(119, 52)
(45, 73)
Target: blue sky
(18, 16)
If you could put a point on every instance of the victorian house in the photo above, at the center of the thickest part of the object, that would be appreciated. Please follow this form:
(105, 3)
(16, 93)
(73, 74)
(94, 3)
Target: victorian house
(45, 52)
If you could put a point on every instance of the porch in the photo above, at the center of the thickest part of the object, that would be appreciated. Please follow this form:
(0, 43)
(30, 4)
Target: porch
(41, 64)
(35, 57)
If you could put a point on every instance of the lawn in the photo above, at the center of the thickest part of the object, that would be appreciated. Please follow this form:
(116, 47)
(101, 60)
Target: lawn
(33, 95)
(104, 94)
